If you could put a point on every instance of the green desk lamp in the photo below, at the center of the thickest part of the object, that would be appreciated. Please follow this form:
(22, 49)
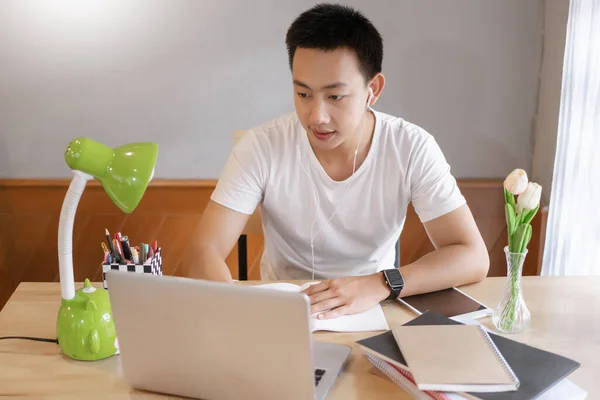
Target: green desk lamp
(85, 328)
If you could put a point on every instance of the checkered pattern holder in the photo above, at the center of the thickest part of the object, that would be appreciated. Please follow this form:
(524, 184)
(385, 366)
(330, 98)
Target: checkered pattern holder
(154, 267)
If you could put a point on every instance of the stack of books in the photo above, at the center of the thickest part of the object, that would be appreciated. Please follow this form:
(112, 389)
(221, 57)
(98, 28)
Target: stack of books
(435, 357)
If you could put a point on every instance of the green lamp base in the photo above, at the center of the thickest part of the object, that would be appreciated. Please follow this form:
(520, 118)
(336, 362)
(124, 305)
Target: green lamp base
(85, 327)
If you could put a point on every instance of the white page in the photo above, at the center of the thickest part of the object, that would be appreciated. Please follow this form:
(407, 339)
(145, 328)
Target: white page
(370, 320)
(283, 286)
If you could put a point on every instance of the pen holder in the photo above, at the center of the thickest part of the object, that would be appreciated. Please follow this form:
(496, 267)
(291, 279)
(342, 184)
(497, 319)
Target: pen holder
(153, 266)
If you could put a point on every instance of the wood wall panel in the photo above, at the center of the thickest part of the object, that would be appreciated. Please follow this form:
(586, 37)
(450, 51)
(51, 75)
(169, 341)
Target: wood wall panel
(29, 214)
(169, 212)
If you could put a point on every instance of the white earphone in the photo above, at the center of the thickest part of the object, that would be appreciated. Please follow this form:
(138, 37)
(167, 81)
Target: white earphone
(312, 237)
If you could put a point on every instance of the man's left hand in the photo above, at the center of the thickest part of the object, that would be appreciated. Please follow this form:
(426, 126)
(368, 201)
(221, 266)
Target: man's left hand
(349, 295)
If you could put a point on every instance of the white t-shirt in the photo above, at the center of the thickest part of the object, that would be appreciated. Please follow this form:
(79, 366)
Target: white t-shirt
(274, 167)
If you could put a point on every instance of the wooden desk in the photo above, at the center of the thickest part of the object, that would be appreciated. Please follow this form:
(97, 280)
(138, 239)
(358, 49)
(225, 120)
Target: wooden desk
(562, 322)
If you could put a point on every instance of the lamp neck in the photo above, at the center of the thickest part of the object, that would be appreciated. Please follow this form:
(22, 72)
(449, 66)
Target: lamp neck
(65, 234)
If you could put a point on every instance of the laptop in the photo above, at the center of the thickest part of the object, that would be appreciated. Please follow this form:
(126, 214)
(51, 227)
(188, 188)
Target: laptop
(212, 340)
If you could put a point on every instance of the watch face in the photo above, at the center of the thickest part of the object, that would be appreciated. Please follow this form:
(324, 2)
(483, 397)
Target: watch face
(394, 277)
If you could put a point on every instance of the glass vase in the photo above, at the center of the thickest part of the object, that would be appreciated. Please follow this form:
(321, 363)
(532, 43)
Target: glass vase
(511, 314)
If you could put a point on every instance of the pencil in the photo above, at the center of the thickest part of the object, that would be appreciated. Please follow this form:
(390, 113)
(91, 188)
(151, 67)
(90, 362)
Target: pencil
(110, 244)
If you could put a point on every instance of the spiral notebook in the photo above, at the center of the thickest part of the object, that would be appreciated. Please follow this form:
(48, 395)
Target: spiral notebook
(406, 381)
(456, 358)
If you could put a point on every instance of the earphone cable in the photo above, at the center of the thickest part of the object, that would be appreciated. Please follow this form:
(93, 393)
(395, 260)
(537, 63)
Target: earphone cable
(315, 192)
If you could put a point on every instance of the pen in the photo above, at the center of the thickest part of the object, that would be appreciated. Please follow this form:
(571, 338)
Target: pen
(125, 246)
(116, 247)
(118, 238)
(150, 253)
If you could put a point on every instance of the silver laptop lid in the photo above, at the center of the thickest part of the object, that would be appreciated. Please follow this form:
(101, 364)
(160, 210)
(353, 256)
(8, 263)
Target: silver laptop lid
(211, 340)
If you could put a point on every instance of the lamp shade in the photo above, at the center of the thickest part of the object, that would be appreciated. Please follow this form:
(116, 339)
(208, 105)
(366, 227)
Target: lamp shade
(124, 171)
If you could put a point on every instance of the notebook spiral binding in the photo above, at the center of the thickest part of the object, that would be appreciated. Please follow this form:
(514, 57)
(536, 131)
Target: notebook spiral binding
(499, 355)
(404, 381)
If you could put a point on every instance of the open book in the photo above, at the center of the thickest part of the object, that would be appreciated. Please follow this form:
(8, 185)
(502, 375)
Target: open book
(370, 320)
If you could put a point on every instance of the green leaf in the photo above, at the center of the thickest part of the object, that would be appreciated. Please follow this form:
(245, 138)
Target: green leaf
(527, 238)
(529, 214)
(511, 219)
(510, 222)
(518, 238)
(509, 198)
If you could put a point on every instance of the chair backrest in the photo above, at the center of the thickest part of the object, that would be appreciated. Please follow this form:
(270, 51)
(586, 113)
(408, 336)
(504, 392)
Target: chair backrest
(254, 225)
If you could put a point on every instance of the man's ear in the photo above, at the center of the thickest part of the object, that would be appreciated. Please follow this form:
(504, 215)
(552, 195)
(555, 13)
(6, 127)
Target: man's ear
(376, 88)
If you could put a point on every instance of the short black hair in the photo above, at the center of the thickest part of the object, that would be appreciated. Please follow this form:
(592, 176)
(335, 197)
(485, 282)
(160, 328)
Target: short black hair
(332, 26)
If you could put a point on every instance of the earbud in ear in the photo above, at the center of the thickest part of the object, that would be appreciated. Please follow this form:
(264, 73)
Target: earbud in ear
(370, 96)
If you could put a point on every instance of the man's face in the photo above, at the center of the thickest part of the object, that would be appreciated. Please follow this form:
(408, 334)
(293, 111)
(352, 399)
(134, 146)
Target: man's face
(330, 95)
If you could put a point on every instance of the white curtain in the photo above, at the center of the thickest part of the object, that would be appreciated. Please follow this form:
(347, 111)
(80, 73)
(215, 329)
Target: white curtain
(573, 231)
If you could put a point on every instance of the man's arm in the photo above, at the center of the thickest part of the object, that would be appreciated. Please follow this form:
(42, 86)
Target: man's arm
(219, 229)
(460, 254)
(460, 258)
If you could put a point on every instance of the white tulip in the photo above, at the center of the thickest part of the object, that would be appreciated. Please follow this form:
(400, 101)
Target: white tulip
(530, 198)
(516, 181)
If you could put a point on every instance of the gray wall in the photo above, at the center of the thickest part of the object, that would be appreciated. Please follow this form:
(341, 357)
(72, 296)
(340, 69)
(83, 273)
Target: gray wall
(187, 73)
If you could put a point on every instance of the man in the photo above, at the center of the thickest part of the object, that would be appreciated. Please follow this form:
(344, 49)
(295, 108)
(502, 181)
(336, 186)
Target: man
(333, 181)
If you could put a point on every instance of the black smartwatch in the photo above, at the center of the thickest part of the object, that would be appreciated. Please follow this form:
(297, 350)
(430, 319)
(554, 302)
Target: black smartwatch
(393, 278)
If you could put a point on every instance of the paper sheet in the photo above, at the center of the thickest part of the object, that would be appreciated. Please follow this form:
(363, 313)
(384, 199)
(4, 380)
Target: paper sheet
(370, 320)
